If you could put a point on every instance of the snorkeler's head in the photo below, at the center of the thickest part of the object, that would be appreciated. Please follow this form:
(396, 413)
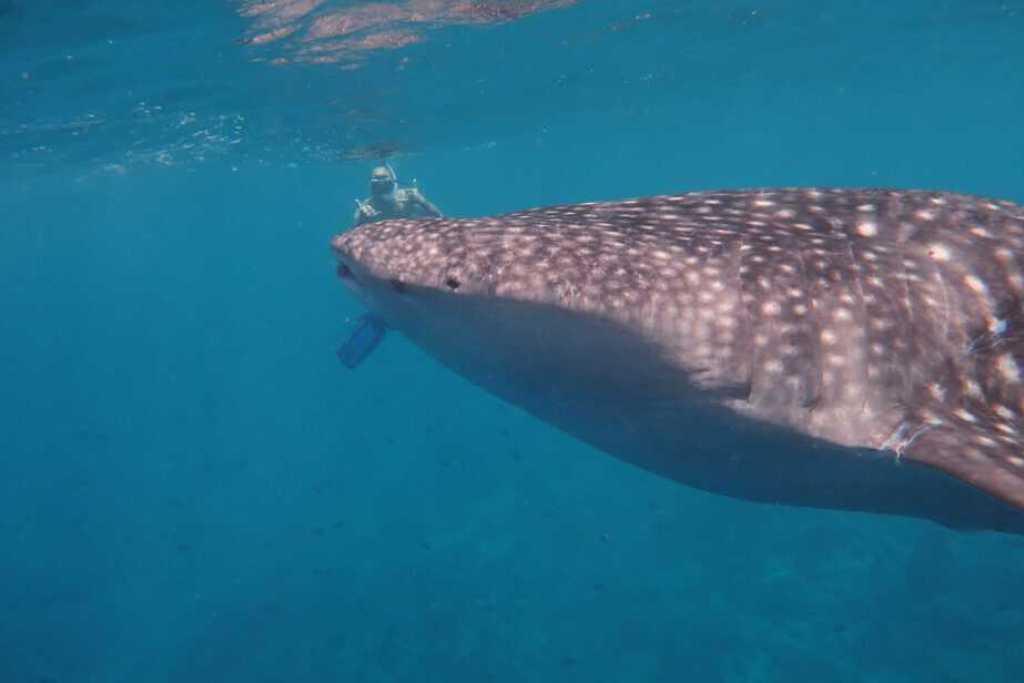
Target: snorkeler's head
(382, 180)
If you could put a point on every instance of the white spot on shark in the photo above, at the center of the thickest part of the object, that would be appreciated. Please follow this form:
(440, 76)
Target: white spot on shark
(939, 252)
(867, 229)
(1008, 368)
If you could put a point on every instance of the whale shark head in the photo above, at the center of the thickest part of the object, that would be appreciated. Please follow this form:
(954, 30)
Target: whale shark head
(538, 297)
(396, 266)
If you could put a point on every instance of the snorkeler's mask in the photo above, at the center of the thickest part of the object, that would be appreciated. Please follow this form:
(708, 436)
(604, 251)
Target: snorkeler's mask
(382, 180)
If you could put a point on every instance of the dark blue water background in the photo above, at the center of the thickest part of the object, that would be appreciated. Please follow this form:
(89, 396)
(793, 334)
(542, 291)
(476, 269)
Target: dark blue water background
(193, 489)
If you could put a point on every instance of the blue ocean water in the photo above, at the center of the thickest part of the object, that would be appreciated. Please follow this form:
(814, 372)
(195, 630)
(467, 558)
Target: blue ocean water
(193, 489)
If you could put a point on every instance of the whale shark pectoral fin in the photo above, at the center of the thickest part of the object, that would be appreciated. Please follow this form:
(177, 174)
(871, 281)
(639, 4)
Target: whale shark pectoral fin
(363, 340)
(988, 455)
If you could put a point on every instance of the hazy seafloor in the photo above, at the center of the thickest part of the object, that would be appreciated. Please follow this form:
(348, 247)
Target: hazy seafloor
(193, 489)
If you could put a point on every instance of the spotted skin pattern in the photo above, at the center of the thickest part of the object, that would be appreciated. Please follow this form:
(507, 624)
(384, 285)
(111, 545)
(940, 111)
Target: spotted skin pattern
(866, 318)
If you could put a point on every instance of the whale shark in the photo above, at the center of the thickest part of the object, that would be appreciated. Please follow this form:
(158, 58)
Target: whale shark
(835, 348)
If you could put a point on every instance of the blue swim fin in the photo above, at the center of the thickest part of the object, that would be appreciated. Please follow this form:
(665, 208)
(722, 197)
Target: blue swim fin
(363, 340)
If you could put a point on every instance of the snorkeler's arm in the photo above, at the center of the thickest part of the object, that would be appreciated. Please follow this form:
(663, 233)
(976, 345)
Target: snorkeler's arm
(364, 212)
(425, 203)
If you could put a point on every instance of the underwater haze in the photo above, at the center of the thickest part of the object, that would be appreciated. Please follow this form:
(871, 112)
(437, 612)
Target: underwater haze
(193, 488)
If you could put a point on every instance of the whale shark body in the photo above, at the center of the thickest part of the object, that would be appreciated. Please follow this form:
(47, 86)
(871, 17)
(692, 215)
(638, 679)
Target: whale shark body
(851, 349)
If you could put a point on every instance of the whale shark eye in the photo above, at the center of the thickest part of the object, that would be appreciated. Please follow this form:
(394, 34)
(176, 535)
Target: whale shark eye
(452, 283)
(399, 286)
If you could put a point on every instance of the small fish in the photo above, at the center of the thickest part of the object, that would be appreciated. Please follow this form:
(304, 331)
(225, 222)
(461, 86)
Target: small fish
(853, 349)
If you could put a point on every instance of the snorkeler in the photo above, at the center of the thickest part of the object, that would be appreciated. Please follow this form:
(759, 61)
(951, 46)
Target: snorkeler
(387, 200)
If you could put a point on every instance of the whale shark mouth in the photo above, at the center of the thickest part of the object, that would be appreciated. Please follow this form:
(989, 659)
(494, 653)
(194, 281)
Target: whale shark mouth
(349, 278)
